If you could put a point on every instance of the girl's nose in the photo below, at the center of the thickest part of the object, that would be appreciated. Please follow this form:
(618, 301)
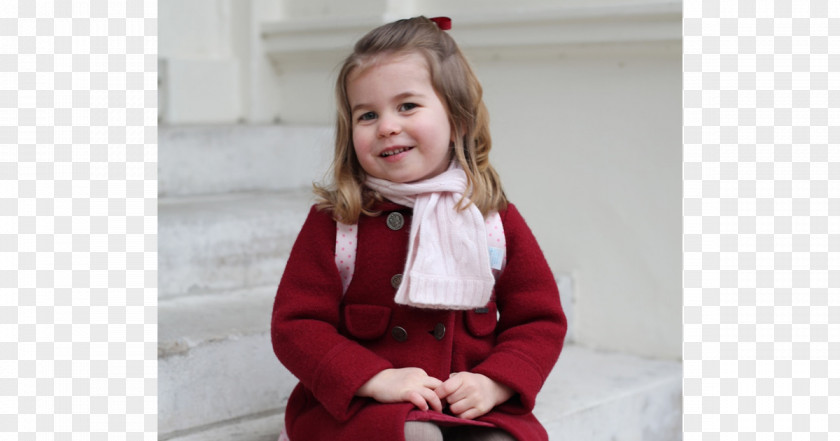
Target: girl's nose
(388, 126)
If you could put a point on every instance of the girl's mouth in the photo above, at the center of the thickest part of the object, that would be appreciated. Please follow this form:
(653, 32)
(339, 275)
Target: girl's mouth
(393, 152)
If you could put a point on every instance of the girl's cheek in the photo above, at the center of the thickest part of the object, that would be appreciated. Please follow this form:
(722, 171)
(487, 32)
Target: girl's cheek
(361, 138)
(361, 149)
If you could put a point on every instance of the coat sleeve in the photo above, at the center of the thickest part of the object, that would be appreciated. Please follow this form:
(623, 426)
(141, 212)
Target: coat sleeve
(305, 319)
(532, 325)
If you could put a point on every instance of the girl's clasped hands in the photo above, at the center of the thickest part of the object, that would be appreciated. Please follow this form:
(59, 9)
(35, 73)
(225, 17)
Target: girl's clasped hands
(468, 395)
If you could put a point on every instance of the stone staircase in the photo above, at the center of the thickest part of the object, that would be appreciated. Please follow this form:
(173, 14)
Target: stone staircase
(231, 202)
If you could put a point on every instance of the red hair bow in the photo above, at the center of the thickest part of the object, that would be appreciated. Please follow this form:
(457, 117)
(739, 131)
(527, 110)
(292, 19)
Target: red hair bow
(444, 23)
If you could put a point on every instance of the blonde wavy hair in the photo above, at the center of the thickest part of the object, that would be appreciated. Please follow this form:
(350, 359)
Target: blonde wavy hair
(458, 87)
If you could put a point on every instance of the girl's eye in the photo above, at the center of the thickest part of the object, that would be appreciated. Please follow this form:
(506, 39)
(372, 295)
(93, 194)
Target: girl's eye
(407, 106)
(367, 116)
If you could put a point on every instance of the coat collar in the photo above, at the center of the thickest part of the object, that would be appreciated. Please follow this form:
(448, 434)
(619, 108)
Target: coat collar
(386, 206)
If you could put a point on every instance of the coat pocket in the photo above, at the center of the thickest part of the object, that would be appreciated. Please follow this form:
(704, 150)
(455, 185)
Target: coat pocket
(366, 322)
(481, 322)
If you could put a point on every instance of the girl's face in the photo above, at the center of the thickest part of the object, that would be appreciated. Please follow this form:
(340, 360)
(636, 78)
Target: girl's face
(401, 129)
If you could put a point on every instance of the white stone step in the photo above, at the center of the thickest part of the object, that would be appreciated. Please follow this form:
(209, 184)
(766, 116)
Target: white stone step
(216, 243)
(234, 158)
(593, 396)
(259, 427)
(218, 376)
(590, 395)
(215, 361)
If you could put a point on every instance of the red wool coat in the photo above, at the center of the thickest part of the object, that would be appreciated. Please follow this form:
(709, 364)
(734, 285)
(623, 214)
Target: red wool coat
(333, 345)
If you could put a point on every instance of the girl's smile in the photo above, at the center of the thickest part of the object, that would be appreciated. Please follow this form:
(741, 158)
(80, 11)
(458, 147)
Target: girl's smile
(394, 153)
(401, 129)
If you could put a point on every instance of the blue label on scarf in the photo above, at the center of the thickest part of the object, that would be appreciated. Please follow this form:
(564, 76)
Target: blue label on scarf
(497, 256)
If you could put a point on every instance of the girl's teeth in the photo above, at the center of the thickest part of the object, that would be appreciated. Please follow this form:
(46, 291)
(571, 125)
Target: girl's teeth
(393, 152)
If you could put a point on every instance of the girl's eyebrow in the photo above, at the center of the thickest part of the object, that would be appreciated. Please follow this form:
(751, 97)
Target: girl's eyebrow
(398, 97)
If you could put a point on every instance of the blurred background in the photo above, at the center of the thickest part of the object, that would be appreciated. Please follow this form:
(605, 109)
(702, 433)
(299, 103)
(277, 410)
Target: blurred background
(586, 118)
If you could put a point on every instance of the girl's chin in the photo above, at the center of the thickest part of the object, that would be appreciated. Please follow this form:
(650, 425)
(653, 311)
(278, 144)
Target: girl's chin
(405, 176)
(403, 179)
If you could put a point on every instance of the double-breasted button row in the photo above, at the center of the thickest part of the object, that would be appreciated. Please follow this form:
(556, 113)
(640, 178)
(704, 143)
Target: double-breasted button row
(395, 221)
(400, 334)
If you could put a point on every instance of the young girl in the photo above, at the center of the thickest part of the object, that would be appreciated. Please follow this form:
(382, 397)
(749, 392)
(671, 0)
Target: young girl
(413, 348)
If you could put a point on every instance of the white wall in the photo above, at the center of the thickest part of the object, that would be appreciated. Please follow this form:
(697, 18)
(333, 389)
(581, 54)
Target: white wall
(213, 68)
(585, 114)
(588, 143)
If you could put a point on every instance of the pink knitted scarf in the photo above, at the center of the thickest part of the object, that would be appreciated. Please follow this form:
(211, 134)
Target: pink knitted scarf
(448, 266)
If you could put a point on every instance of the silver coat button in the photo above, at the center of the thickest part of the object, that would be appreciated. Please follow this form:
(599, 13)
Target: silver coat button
(396, 280)
(399, 333)
(395, 221)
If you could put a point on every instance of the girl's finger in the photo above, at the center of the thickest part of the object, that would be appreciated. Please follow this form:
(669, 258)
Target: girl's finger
(459, 406)
(432, 383)
(432, 399)
(448, 387)
(470, 411)
(416, 399)
(459, 395)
